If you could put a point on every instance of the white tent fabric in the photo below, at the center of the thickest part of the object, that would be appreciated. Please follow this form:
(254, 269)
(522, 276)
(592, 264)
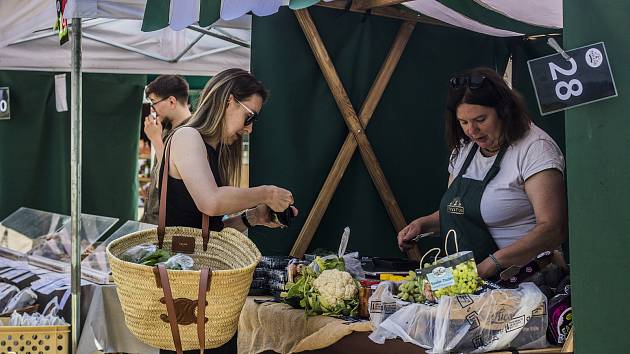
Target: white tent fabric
(40, 15)
(544, 13)
(21, 48)
(443, 13)
(100, 57)
(134, 9)
(120, 9)
(232, 9)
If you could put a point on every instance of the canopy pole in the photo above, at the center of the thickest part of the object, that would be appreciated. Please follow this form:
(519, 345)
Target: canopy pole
(75, 181)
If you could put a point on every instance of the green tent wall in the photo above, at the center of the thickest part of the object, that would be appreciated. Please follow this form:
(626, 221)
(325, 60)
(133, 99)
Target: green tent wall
(35, 145)
(301, 129)
(597, 138)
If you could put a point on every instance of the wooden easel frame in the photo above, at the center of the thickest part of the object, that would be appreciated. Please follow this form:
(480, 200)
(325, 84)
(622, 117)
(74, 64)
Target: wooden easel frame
(356, 126)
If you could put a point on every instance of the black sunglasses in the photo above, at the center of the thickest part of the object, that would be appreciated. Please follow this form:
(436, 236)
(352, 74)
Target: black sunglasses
(252, 117)
(473, 82)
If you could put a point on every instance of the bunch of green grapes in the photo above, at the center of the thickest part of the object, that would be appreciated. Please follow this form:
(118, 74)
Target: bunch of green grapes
(466, 280)
(410, 290)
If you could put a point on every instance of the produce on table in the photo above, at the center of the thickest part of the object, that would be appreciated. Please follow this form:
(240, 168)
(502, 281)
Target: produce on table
(335, 287)
(452, 275)
(410, 290)
(466, 280)
(329, 291)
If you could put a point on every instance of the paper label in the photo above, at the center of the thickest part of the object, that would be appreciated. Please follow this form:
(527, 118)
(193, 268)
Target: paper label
(441, 277)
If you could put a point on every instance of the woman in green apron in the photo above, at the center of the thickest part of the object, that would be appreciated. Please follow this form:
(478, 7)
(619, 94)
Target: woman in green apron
(505, 197)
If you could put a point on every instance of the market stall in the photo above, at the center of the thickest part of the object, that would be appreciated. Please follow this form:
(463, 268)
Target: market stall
(354, 138)
(344, 52)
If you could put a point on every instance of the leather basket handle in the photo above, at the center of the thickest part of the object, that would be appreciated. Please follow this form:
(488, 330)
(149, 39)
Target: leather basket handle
(161, 229)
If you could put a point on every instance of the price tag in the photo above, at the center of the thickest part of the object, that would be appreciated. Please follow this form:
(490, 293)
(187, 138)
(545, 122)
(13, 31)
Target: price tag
(584, 78)
(441, 277)
(5, 106)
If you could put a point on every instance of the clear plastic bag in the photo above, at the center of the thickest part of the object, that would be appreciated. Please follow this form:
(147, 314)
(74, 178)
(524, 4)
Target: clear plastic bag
(7, 292)
(351, 261)
(179, 262)
(136, 253)
(383, 304)
(24, 298)
(48, 317)
(494, 320)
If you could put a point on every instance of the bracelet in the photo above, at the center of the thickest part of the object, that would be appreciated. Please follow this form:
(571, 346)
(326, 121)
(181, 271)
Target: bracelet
(496, 263)
(245, 221)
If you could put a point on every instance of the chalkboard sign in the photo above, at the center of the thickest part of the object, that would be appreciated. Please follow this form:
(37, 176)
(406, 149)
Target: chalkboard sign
(584, 78)
(5, 106)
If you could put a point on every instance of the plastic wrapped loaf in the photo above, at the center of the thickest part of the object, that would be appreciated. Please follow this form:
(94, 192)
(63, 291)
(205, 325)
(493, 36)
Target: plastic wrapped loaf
(494, 320)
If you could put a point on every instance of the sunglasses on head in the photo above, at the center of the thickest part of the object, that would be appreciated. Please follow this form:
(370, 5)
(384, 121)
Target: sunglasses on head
(251, 117)
(473, 82)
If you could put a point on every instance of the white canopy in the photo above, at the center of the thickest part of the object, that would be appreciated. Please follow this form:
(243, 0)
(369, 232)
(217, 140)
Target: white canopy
(114, 45)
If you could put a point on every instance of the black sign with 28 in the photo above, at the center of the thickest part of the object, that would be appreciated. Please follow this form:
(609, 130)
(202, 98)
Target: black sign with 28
(584, 78)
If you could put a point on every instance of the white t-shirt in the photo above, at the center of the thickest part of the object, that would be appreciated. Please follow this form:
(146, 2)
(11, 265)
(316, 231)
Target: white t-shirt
(505, 207)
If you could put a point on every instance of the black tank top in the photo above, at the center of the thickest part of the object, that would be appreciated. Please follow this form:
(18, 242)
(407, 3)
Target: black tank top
(180, 206)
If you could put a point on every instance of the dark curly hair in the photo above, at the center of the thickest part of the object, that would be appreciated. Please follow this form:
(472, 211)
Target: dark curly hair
(483, 86)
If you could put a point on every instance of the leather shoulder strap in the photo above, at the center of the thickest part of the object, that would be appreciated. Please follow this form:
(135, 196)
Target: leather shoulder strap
(161, 229)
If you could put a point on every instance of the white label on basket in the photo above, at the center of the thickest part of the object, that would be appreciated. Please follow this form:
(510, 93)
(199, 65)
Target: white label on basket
(441, 277)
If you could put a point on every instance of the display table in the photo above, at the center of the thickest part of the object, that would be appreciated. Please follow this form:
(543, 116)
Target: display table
(278, 328)
(270, 328)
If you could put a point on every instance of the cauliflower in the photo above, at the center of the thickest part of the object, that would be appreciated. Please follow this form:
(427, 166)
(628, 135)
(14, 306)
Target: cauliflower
(335, 286)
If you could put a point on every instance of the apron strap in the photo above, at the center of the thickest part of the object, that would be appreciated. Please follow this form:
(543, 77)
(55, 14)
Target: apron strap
(494, 169)
(469, 158)
(496, 166)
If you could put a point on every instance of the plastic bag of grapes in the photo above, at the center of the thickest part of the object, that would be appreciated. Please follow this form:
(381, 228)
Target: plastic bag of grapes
(452, 275)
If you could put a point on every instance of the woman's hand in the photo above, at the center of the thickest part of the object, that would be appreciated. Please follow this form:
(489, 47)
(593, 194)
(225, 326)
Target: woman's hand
(261, 215)
(412, 230)
(278, 199)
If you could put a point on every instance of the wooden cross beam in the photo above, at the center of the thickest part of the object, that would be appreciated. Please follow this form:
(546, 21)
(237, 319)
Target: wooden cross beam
(356, 136)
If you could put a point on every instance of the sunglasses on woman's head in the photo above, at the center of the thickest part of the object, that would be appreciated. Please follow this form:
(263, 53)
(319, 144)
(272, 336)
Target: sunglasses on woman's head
(473, 82)
(251, 117)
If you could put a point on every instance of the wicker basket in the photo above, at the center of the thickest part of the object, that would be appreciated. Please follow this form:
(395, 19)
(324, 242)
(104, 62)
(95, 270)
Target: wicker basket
(231, 257)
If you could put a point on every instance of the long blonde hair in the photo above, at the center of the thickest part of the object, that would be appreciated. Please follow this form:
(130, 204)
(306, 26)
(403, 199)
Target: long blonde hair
(209, 117)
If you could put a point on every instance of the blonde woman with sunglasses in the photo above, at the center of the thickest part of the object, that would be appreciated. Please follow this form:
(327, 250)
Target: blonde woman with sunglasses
(205, 163)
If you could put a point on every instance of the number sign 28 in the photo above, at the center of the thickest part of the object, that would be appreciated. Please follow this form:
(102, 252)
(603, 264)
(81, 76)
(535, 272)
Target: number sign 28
(583, 78)
(568, 87)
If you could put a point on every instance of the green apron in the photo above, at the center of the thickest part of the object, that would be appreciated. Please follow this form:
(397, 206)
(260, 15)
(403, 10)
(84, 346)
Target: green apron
(460, 210)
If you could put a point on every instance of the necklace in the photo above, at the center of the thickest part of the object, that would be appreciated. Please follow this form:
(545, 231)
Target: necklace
(490, 151)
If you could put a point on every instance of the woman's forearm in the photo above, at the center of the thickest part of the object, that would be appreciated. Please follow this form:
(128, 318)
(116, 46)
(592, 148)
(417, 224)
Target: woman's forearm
(228, 200)
(433, 222)
(543, 237)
